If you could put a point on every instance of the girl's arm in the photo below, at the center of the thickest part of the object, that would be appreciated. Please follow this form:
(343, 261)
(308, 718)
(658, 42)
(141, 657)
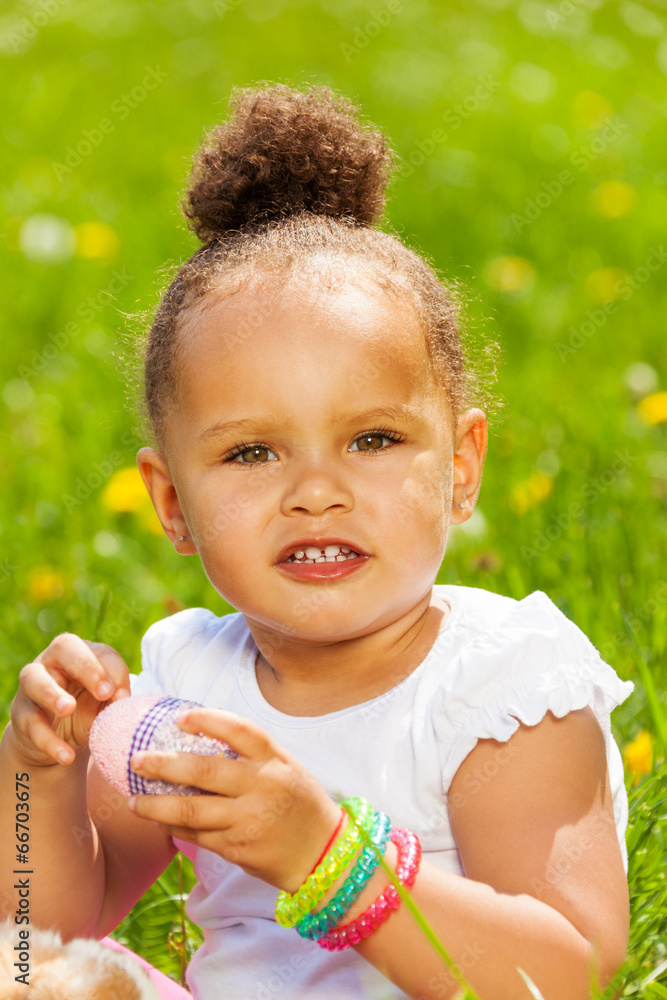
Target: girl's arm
(135, 851)
(545, 888)
(88, 858)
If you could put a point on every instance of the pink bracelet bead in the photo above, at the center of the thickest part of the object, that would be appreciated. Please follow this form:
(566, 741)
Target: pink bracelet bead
(409, 858)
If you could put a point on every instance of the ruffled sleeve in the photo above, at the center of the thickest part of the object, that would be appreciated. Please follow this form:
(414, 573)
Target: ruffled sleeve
(533, 661)
(167, 647)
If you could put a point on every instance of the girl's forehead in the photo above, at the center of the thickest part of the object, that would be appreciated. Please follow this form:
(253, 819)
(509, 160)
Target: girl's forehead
(301, 321)
(303, 359)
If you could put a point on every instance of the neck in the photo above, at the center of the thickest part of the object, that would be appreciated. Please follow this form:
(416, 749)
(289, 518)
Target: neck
(300, 679)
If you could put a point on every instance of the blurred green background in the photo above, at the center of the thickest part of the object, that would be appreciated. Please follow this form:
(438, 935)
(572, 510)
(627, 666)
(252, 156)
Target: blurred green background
(532, 142)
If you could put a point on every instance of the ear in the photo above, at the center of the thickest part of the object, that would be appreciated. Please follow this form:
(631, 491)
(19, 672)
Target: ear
(470, 441)
(157, 479)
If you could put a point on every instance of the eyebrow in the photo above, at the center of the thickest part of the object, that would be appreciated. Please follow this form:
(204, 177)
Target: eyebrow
(399, 413)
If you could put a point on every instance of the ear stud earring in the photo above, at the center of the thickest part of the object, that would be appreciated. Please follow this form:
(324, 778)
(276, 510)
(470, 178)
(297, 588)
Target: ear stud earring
(464, 504)
(182, 538)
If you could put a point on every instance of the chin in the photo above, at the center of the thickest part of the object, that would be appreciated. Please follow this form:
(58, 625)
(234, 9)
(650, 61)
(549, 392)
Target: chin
(81, 968)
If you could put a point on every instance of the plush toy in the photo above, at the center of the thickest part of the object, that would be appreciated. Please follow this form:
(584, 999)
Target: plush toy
(82, 969)
(145, 722)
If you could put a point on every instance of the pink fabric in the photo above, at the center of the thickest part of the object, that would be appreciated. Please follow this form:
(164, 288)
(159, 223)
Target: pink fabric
(166, 987)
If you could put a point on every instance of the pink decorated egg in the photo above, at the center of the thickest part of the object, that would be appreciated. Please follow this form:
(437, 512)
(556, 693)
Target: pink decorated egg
(146, 722)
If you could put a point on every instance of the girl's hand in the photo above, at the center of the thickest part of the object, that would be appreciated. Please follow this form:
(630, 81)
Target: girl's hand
(265, 811)
(59, 695)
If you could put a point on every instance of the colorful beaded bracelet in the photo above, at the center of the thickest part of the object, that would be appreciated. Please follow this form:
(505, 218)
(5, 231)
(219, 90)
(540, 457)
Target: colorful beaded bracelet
(291, 908)
(316, 925)
(329, 841)
(409, 857)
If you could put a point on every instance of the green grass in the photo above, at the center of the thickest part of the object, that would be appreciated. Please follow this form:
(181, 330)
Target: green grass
(583, 92)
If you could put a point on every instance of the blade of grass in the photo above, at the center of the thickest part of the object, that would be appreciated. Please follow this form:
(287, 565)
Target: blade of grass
(655, 705)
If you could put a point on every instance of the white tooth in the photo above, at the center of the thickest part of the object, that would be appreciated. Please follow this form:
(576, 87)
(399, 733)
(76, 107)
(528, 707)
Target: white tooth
(332, 550)
(299, 554)
(345, 549)
(341, 558)
(321, 559)
(312, 552)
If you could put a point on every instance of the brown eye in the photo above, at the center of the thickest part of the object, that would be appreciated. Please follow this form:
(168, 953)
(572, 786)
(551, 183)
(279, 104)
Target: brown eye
(373, 441)
(370, 442)
(258, 453)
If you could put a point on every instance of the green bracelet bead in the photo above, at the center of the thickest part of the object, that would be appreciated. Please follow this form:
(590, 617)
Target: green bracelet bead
(316, 925)
(291, 908)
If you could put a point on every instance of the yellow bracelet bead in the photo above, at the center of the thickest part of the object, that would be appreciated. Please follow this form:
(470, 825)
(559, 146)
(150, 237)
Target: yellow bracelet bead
(290, 909)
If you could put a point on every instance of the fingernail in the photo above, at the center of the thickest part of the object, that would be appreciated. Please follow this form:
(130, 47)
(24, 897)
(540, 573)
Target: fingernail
(104, 689)
(138, 758)
(132, 803)
(64, 756)
(63, 703)
(182, 720)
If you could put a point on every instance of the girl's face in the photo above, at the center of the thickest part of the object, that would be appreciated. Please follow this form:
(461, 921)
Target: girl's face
(313, 419)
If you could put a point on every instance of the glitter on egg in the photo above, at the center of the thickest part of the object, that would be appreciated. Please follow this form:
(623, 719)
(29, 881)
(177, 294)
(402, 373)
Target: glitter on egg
(146, 722)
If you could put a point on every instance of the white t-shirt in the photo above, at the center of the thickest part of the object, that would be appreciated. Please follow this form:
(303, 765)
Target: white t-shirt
(495, 661)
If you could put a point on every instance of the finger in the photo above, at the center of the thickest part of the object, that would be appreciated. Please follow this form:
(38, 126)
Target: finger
(41, 688)
(69, 656)
(115, 666)
(30, 724)
(212, 774)
(241, 734)
(194, 812)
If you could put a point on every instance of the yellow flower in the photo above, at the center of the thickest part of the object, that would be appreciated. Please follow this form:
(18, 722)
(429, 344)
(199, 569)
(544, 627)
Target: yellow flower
(96, 240)
(530, 491)
(45, 583)
(612, 199)
(149, 519)
(510, 274)
(590, 109)
(653, 409)
(125, 490)
(638, 755)
(601, 285)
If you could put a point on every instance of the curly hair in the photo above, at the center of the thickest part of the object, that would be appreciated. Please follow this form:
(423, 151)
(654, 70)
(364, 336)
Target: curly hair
(292, 178)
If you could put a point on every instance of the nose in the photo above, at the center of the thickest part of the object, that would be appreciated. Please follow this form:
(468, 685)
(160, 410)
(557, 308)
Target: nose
(316, 486)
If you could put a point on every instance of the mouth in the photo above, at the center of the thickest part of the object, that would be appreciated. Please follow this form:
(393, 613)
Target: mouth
(325, 551)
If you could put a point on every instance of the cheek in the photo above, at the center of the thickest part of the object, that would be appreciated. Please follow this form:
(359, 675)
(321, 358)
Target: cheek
(230, 505)
(427, 494)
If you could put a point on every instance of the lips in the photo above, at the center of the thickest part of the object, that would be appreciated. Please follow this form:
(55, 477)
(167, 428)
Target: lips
(318, 543)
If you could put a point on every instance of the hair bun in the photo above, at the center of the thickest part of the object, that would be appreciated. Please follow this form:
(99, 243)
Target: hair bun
(283, 152)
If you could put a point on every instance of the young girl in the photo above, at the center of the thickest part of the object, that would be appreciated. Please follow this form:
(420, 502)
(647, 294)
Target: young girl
(317, 436)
